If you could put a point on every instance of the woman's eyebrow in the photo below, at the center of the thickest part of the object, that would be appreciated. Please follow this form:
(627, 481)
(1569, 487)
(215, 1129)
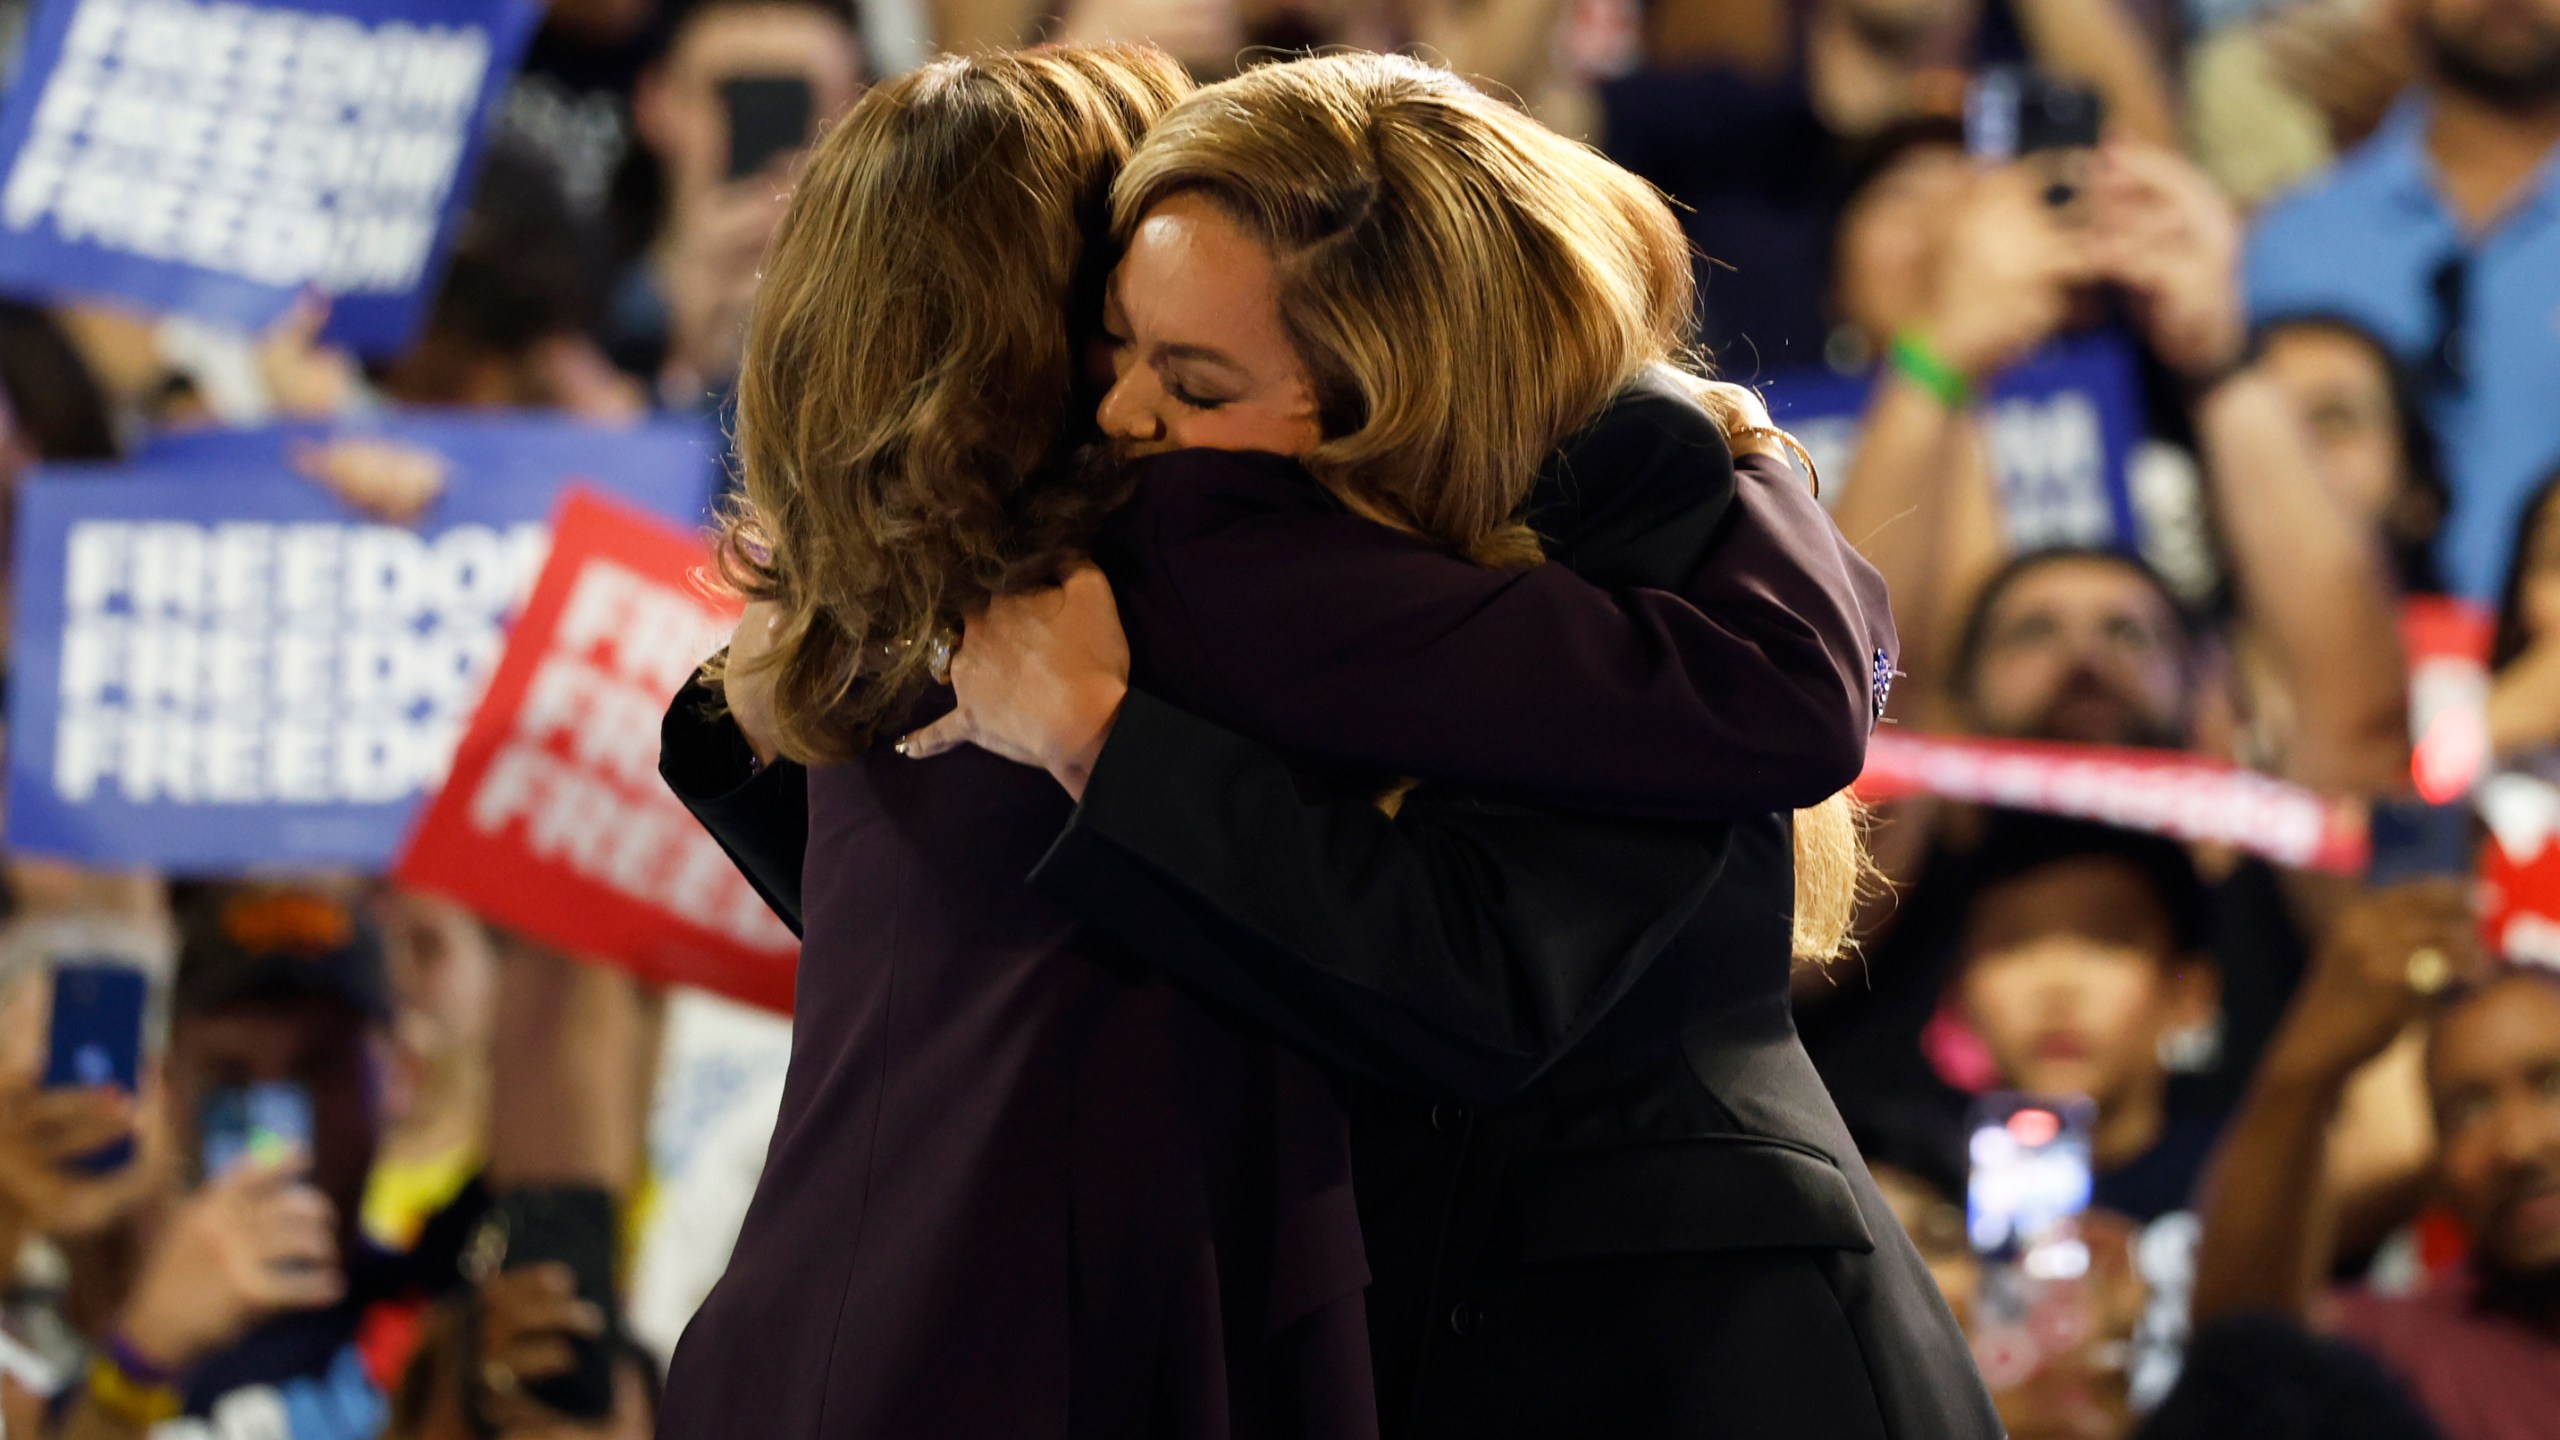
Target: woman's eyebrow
(1204, 355)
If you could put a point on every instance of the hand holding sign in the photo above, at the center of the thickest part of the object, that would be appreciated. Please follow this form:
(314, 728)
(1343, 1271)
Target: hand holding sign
(391, 482)
(304, 378)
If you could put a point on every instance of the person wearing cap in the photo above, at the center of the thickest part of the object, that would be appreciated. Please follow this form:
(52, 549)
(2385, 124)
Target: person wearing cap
(256, 1291)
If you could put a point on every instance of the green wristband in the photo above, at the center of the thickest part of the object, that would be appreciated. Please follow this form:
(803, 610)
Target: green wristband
(1922, 365)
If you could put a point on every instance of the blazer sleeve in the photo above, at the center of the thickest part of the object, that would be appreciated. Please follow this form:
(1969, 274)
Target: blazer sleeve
(1743, 686)
(1454, 950)
(760, 816)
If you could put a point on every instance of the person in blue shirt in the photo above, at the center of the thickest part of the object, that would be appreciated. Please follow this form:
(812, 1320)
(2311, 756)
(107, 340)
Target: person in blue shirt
(2442, 235)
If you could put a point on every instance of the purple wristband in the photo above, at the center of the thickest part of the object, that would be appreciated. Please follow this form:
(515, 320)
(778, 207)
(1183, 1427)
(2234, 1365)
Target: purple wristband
(132, 1362)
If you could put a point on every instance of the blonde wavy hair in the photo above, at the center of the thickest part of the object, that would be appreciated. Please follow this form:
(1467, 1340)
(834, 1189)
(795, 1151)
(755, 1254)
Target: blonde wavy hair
(911, 370)
(1465, 288)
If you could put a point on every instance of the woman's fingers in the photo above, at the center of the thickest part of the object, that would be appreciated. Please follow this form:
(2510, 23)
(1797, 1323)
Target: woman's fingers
(532, 1318)
(315, 1285)
(67, 1124)
(960, 726)
(300, 1247)
(948, 733)
(392, 482)
(540, 1356)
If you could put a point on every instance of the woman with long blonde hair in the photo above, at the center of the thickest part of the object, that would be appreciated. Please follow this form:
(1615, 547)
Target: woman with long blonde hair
(1021, 1185)
(1662, 1228)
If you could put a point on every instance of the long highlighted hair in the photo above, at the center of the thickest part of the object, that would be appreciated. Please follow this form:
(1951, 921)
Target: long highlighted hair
(911, 377)
(1466, 288)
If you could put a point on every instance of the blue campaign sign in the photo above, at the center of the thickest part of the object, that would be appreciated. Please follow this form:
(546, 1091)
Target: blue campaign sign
(218, 666)
(2063, 425)
(216, 159)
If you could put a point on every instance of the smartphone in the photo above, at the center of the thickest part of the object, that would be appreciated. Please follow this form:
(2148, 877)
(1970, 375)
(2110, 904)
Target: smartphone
(574, 1226)
(2413, 839)
(95, 1038)
(769, 116)
(243, 1123)
(2016, 113)
(2011, 112)
(2030, 1183)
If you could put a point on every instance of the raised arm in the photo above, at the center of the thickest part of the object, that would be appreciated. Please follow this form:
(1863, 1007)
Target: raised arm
(2309, 572)
(1259, 604)
(1255, 602)
(2269, 1217)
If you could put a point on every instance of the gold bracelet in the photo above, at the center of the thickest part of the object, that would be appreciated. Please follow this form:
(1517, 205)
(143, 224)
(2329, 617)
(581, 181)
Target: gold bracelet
(1793, 446)
(128, 1401)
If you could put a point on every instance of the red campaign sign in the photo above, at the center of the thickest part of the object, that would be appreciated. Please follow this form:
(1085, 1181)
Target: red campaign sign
(2447, 642)
(2522, 915)
(554, 820)
(2520, 869)
(2161, 791)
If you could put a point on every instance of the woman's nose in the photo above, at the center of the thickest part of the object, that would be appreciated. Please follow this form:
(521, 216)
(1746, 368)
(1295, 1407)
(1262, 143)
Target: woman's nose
(1125, 414)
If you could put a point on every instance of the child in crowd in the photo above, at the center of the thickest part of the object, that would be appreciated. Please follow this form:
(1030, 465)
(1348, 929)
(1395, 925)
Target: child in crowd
(2082, 969)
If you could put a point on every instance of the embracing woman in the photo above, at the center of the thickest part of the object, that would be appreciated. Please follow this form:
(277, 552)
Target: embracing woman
(1030, 1181)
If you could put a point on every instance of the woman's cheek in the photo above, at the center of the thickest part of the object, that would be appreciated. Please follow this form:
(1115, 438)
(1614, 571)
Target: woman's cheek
(1238, 427)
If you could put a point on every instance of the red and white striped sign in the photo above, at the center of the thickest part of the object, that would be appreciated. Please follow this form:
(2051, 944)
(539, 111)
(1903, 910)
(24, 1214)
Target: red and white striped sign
(2164, 792)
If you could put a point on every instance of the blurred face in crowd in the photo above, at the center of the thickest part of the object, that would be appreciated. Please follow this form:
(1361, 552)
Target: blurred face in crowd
(2504, 52)
(1200, 357)
(2082, 650)
(443, 978)
(2342, 389)
(1890, 237)
(678, 111)
(2072, 975)
(2493, 1071)
(324, 1045)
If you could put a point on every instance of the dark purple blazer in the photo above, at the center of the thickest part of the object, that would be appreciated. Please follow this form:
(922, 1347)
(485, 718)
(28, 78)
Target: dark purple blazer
(1019, 1187)
(956, 1032)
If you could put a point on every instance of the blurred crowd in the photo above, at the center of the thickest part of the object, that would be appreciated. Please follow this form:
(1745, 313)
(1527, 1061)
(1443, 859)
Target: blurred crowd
(2324, 1125)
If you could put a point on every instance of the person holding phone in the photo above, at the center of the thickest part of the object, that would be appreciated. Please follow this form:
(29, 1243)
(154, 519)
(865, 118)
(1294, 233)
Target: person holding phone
(523, 1326)
(1959, 271)
(83, 1150)
(79, 1142)
(744, 89)
(257, 1281)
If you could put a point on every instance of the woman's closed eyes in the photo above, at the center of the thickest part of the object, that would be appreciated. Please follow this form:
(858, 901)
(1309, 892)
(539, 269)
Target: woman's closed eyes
(1175, 386)
(1185, 395)
(1201, 356)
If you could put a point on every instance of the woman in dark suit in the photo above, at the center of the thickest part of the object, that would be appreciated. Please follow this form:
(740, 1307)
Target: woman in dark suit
(974, 1068)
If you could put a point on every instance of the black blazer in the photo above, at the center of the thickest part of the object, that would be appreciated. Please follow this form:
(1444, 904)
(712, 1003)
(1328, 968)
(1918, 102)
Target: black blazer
(1603, 1191)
